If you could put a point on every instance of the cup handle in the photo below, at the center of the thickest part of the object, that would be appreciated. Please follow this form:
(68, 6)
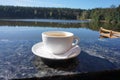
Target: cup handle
(77, 40)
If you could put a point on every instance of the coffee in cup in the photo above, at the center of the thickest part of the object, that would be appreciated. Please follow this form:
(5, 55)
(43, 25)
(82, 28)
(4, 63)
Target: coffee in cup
(58, 42)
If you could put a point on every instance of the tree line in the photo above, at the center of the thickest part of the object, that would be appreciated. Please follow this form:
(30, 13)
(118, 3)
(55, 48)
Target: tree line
(111, 14)
(38, 12)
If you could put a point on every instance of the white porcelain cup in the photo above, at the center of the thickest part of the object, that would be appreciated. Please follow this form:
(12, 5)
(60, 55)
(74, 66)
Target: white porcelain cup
(59, 42)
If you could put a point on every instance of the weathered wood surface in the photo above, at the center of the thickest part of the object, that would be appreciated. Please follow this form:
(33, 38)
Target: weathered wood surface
(109, 33)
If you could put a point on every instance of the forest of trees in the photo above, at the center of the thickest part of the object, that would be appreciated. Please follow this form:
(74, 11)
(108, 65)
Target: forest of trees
(35, 12)
(110, 15)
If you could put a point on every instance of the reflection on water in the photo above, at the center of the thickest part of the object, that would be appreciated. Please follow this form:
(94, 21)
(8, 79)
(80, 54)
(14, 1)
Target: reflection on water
(43, 24)
(47, 20)
(33, 33)
(111, 26)
(59, 23)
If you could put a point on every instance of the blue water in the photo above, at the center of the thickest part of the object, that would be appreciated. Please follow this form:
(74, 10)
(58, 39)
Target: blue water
(33, 33)
(48, 20)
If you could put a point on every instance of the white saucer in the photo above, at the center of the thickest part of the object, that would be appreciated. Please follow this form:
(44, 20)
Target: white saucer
(39, 50)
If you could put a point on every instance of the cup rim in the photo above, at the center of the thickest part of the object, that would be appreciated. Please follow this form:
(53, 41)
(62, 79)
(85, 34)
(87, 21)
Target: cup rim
(69, 34)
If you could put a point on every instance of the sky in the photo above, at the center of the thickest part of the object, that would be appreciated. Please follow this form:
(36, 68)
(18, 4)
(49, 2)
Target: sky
(80, 4)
